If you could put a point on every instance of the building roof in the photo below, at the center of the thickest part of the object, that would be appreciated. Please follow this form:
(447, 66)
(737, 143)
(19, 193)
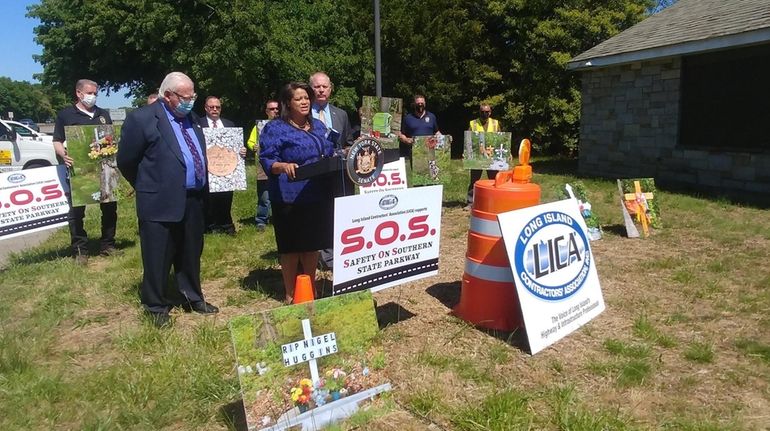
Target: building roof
(687, 27)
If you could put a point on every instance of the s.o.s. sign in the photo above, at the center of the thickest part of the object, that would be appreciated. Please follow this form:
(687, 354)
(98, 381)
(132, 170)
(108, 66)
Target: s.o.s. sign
(553, 269)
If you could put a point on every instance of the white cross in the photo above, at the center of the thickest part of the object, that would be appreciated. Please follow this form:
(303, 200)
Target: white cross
(310, 348)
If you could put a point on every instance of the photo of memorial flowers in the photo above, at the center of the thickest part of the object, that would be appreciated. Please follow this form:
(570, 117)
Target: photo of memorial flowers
(273, 392)
(94, 176)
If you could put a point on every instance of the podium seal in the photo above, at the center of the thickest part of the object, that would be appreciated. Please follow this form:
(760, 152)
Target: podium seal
(365, 161)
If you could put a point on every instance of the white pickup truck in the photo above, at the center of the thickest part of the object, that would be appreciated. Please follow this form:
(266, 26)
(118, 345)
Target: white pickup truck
(24, 152)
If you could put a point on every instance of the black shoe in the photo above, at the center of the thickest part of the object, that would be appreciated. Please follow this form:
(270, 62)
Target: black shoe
(201, 307)
(261, 227)
(108, 251)
(159, 320)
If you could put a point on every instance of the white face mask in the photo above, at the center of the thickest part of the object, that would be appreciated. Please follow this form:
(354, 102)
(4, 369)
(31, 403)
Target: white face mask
(88, 100)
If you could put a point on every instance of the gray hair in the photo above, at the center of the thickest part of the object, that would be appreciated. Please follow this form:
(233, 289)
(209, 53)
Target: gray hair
(83, 82)
(172, 81)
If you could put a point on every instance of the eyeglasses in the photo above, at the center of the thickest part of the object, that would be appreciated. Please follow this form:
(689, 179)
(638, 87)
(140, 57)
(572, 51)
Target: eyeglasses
(486, 112)
(214, 107)
(186, 99)
(272, 109)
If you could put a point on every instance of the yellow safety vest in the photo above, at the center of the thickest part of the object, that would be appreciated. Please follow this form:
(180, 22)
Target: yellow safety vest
(492, 126)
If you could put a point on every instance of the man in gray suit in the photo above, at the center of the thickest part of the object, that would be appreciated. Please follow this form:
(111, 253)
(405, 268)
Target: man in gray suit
(335, 119)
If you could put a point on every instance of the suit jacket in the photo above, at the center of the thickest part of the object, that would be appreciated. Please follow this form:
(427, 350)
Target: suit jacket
(150, 159)
(205, 122)
(341, 124)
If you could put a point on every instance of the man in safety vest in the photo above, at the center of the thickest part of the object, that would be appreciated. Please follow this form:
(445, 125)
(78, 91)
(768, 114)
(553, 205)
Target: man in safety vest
(485, 123)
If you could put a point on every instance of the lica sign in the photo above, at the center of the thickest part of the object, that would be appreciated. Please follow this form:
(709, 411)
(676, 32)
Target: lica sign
(557, 285)
(553, 253)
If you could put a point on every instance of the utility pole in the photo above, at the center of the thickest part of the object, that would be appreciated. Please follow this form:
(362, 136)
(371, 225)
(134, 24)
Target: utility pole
(377, 54)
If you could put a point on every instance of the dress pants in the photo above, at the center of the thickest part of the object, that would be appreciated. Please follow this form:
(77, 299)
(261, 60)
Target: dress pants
(218, 217)
(178, 243)
(475, 176)
(78, 234)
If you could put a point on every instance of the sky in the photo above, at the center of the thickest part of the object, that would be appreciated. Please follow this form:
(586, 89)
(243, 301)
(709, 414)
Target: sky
(17, 46)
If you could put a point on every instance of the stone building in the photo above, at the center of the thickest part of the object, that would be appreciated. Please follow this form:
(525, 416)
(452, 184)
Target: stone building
(684, 97)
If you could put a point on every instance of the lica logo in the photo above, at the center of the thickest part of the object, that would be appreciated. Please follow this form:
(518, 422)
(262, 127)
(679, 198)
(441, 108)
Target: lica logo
(552, 256)
(388, 202)
(16, 178)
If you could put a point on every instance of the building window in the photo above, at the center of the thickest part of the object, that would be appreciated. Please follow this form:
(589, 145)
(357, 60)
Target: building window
(725, 101)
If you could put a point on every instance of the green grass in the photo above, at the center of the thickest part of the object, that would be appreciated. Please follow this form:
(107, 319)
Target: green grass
(701, 352)
(754, 348)
(501, 411)
(75, 353)
(645, 330)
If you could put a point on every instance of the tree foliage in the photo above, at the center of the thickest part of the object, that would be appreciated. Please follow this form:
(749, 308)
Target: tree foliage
(510, 53)
(28, 100)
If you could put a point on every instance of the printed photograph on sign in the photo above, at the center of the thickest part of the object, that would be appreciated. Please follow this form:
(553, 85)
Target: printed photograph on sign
(94, 175)
(487, 150)
(308, 364)
(227, 169)
(33, 200)
(554, 271)
(383, 240)
(639, 206)
(381, 119)
(432, 160)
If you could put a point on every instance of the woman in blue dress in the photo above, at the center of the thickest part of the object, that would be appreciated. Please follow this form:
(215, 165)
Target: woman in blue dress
(303, 210)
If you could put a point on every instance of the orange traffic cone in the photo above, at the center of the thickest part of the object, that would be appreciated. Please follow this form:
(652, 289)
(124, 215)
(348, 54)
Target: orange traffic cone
(303, 289)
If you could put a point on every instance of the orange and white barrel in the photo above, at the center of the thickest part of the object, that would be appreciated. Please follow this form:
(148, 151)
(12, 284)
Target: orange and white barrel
(488, 297)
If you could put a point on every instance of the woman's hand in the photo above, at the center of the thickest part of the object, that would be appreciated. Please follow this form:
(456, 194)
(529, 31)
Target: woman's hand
(285, 168)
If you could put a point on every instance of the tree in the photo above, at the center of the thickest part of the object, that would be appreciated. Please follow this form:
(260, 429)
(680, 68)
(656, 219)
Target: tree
(239, 50)
(510, 53)
(28, 100)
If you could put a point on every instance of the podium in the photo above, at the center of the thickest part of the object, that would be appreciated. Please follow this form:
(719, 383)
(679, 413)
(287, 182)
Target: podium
(328, 165)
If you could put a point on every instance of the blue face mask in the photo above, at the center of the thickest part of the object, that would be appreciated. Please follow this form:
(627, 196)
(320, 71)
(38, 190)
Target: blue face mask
(184, 107)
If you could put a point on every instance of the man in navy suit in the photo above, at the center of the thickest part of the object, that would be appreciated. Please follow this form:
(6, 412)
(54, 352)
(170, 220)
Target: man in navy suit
(162, 154)
(218, 205)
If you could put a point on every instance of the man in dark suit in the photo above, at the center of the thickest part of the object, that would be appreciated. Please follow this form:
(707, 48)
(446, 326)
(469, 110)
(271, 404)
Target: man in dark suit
(218, 205)
(335, 119)
(162, 154)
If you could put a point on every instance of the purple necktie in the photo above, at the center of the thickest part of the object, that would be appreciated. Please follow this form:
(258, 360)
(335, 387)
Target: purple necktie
(194, 151)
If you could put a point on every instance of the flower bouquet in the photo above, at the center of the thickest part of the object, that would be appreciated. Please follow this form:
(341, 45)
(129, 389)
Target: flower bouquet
(301, 395)
(335, 383)
(102, 148)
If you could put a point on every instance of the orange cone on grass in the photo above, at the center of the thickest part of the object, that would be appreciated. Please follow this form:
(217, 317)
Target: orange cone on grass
(303, 289)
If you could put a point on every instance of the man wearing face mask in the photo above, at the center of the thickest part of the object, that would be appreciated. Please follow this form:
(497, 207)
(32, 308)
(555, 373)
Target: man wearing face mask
(162, 154)
(485, 123)
(417, 123)
(83, 113)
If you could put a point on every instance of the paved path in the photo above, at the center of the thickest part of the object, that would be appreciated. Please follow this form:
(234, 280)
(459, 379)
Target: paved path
(19, 243)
